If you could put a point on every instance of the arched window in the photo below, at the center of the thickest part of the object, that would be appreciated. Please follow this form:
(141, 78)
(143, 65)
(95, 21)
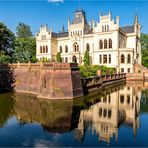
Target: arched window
(110, 43)
(66, 49)
(100, 112)
(105, 44)
(60, 49)
(46, 49)
(40, 49)
(76, 47)
(122, 58)
(122, 99)
(43, 49)
(128, 58)
(87, 47)
(101, 44)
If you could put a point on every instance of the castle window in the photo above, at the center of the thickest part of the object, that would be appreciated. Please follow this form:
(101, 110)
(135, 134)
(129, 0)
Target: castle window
(101, 44)
(107, 27)
(128, 99)
(104, 58)
(66, 49)
(128, 70)
(100, 59)
(105, 44)
(76, 47)
(66, 59)
(128, 58)
(60, 49)
(122, 58)
(109, 114)
(40, 49)
(122, 70)
(104, 113)
(100, 112)
(122, 99)
(43, 49)
(110, 43)
(102, 28)
(46, 49)
(109, 58)
(87, 47)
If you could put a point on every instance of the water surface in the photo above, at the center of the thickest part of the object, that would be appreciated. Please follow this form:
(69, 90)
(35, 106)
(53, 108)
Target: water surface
(112, 116)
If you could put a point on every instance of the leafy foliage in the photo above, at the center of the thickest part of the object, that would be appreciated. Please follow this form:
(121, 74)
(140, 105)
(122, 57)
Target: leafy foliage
(89, 71)
(25, 45)
(6, 44)
(86, 58)
(23, 31)
(144, 49)
(58, 57)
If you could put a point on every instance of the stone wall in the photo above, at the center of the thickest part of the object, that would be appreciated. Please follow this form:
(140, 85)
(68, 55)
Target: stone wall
(48, 80)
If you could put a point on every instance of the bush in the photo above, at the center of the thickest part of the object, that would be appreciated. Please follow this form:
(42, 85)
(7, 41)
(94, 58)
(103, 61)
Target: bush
(89, 71)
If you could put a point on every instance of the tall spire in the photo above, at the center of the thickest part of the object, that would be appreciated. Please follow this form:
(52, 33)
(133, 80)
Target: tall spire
(136, 17)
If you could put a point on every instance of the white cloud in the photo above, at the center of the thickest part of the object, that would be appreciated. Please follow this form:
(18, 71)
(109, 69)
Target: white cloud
(55, 1)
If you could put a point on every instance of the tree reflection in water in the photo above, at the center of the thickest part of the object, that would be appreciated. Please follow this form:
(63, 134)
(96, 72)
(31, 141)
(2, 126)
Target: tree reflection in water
(101, 113)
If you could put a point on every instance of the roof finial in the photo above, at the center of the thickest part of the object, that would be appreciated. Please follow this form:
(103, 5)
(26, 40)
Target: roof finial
(136, 16)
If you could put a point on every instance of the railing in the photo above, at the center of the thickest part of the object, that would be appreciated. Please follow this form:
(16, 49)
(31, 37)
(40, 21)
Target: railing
(39, 65)
(98, 80)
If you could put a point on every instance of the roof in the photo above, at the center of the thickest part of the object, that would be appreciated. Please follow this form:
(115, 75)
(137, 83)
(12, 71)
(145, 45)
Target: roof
(128, 29)
(78, 16)
(60, 34)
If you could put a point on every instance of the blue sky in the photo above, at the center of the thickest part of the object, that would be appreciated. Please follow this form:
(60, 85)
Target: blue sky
(55, 14)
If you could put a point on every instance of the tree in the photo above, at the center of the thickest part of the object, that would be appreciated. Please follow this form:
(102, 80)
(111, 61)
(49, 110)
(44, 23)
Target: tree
(144, 49)
(23, 31)
(58, 57)
(6, 44)
(86, 58)
(25, 45)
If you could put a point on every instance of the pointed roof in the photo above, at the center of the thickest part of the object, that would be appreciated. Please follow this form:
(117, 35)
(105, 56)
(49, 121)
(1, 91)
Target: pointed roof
(79, 14)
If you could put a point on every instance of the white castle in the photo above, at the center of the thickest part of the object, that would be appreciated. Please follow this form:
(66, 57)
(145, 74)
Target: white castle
(107, 42)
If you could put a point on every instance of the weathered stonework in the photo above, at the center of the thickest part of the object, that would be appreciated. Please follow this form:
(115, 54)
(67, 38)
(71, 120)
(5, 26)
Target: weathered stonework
(48, 80)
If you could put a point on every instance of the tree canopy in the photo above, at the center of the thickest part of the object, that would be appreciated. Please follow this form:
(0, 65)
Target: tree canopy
(144, 49)
(58, 57)
(86, 58)
(25, 45)
(6, 39)
(23, 31)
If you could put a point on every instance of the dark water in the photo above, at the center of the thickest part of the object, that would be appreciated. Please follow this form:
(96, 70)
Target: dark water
(112, 116)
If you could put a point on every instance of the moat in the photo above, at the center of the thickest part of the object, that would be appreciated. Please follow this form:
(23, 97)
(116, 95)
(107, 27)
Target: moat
(112, 116)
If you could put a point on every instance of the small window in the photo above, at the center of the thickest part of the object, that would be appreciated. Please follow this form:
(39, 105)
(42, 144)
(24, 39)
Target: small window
(46, 49)
(128, 58)
(43, 49)
(60, 49)
(104, 113)
(105, 44)
(66, 59)
(100, 59)
(105, 59)
(128, 99)
(101, 44)
(110, 43)
(66, 49)
(122, 70)
(128, 70)
(122, 99)
(109, 114)
(40, 49)
(100, 112)
(109, 58)
(122, 58)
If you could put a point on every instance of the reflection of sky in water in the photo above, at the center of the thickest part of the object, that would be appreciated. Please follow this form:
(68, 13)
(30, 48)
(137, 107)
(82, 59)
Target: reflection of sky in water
(16, 132)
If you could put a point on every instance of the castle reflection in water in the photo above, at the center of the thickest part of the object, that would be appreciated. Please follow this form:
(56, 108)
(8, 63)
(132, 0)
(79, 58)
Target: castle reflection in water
(102, 113)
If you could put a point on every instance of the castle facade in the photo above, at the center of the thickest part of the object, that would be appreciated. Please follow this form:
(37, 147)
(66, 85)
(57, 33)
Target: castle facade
(108, 43)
